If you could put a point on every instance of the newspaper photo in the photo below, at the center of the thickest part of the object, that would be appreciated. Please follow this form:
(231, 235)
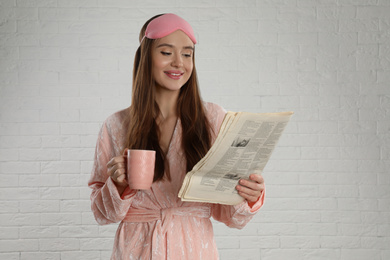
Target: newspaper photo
(243, 146)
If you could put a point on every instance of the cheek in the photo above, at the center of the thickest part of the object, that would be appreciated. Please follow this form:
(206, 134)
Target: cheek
(190, 67)
(157, 65)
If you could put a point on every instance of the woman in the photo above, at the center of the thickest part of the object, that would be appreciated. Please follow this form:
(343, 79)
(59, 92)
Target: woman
(167, 115)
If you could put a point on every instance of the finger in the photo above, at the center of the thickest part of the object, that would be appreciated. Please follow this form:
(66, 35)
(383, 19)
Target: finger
(248, 197)
(118, 175)
(121, 178)
(117, 166)
(248, 191)
(251, 185)
(257, 178)
(115, 160)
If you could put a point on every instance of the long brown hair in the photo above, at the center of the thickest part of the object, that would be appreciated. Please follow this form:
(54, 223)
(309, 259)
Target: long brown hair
(143, 131)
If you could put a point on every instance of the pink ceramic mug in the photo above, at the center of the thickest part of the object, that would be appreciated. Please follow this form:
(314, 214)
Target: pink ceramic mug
(140, 168)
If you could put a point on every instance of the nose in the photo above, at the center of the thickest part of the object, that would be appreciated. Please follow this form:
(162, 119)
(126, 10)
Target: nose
(177, 61)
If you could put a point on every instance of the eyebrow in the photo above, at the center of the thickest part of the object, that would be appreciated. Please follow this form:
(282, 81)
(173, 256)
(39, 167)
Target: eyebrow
(172, 46)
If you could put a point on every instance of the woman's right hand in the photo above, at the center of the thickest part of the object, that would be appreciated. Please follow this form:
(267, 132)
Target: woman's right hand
(116, 169)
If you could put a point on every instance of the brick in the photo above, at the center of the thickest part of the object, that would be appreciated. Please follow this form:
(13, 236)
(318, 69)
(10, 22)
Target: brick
(295, 12)
(248, 242)
(33, 180)
(372, 38)
(320, 25)
(76, 52)
(374, 191)
(360, 254)
(58, 64)
(351, 217)
(79, 103)
(10, 54)
(8, 206)
(59, 116)
(372, 166)
(80, 232)
(39, 77)
(9, 155)
(357, 230)
(25, 115)
(303, 242)
(73, 77)
(227, 242)
(336, 12)
(39, 129)
(60, 219)
(17, 220)
(97, 13)
(56, 244)
(60, 141)
(339, 191)
(74, 206)
(59, 40)
(107, 230)
(84, 255)
(10, 256)
(39, 206)
(56, 193)
(37, 27)
(298, 38)
(9, 233)
(268, 254)
(95, 244)
(8, 3)
(75, 180)
(63, 91)
(74, 154)
(109, 64)
(231, 254)
(313, 229)
(35, 232)
(357, 204)
(77, 3)
(39, 3)
(7, 26)
(39, 256)
(19, 167)
(340, 242)
(60, 167)
(75, 26)
(19, 245)
(39, 154)
(58, 14)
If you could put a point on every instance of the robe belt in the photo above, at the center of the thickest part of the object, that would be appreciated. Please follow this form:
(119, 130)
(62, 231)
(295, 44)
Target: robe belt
(166, 214)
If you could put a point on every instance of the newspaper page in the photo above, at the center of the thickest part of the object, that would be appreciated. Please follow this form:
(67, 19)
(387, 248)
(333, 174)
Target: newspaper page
(243, 146)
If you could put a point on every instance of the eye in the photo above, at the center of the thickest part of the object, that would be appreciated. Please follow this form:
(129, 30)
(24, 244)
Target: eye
(165, 53)
(187, 55)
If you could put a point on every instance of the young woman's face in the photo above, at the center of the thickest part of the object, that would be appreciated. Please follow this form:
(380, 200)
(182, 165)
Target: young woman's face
(172, 61)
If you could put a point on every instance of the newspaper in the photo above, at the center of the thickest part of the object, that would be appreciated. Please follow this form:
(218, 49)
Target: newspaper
(243, 146)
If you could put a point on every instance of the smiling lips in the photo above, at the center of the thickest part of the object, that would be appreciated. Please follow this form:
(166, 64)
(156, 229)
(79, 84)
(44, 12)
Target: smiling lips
(174, 74)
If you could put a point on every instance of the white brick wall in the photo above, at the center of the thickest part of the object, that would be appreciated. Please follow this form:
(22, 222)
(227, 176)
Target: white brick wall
(65, 65)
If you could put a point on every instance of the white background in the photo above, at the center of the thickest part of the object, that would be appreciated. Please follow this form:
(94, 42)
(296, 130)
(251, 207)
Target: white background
(66, 65)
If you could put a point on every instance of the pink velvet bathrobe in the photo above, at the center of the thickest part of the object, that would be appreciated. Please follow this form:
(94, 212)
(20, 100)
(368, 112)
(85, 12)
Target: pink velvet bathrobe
(155, 223)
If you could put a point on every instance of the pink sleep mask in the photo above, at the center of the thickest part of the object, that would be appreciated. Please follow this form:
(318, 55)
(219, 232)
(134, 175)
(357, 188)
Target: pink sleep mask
(167, 24)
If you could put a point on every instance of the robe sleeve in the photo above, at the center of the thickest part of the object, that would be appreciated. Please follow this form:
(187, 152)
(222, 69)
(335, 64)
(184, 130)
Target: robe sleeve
(239, 215)
(107, 205)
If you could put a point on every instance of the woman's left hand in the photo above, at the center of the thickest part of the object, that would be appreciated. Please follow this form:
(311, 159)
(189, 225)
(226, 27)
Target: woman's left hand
(251, 189)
